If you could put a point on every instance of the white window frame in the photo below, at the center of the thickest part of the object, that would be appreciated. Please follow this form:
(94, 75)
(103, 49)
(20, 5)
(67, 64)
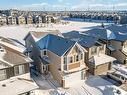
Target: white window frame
(3, 75)
(20, 68)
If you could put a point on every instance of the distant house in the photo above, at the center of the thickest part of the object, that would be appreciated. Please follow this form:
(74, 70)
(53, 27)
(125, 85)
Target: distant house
(63, 58)
(14, 70)
(3, 20)
(116, 37)
(11, 20)
(29, 20)
(13, 12)
(21, 20)
(38, 19)
(97, 60)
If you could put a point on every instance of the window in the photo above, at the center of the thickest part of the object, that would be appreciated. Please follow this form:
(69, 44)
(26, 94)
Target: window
(19, 70)
(77, 58)
(81, 56)
(3, 74)
(45, 52)
(70, 59)
(93, 50)
(102, 47)
(125, 45)
(65, 60)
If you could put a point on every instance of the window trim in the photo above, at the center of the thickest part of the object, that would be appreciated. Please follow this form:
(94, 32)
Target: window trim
(95, 50)
(5, 74)
(18, 70)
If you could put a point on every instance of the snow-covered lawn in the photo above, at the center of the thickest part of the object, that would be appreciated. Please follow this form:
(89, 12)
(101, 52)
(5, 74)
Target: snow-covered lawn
(95, 85)
(19, 32)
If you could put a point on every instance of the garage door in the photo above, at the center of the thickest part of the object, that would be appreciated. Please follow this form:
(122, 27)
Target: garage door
(73, 78)
(102, 69)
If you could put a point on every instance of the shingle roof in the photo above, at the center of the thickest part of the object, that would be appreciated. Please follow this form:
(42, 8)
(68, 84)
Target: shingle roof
(111, 32)
(84, 40)
(55, 44)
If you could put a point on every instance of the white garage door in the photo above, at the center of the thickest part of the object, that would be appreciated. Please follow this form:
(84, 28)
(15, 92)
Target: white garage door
(73, 78)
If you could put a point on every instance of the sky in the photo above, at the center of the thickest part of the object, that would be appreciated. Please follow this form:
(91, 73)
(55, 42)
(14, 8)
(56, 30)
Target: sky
(57, 5)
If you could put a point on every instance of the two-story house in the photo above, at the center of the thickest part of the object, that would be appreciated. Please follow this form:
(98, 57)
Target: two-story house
(116, 37)
(63, 58)
(14, 70)
(3, 20)
(21, 20)
(38, 19)
(97, 60)
(29, 19)
(11, 20)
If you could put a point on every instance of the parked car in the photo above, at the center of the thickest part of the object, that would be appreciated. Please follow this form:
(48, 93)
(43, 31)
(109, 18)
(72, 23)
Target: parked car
(118, 76)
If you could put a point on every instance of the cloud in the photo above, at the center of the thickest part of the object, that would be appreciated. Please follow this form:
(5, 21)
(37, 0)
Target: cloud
(73, 5)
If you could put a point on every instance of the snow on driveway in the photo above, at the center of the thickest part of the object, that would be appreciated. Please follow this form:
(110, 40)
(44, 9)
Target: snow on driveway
(95, 85)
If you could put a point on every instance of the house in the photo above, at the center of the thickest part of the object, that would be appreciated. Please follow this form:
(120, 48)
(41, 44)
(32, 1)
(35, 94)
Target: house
(11, 20)
(38, 19)
(97, 60)
(116, 37)
(21, 20)
(33, 36)
(14, 70)
(3, 20)
(29, 19)
(61, 57)
(13, 12)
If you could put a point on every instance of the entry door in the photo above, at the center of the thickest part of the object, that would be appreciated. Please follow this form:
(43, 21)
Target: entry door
(45, 68)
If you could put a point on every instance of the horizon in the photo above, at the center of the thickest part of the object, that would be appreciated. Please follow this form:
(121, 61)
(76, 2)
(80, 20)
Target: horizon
(61, 5)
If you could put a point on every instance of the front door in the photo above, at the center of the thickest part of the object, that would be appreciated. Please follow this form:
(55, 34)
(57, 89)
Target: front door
(46, 69)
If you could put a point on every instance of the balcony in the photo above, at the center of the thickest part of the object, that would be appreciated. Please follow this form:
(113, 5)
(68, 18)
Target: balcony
(74, 67)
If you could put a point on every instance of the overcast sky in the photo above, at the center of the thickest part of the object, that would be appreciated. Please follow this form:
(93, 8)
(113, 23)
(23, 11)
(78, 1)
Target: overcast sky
(56, 5)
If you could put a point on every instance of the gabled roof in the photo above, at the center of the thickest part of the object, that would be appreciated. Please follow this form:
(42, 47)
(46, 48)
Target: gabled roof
(83, 40)
(40, 34)
(11, 55)
(110, 32)
(120, 32)
(55, 44)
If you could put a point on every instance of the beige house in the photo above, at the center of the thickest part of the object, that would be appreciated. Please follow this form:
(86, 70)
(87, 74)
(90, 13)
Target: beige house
(118, 49)
(3, 20)
(29, 19)
(61, 57)
(21, 20)
(14, 70)
(115, 37)
(96, 59)
(11, 20)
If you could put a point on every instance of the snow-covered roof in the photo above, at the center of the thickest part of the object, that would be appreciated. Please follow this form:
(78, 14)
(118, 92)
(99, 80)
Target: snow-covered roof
(111, 47)
(19, 32)
(37, 35)
(11, 55)
(110, 34)
(16, 86)
(101, 59)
